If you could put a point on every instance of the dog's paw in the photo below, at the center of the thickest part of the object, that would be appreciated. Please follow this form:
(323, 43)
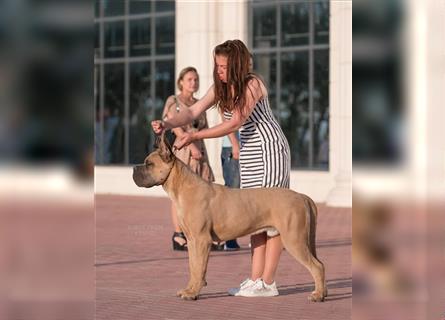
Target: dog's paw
(189, 295)
(181, 292)
(316, 297)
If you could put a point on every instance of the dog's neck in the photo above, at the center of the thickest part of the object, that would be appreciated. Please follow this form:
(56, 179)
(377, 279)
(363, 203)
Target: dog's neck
(180, 177)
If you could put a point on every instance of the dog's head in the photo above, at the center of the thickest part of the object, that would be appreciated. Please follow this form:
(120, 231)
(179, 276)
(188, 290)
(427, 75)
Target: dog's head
(157, 165)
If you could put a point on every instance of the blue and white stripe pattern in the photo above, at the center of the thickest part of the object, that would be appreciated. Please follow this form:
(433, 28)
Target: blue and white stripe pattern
(264, 150)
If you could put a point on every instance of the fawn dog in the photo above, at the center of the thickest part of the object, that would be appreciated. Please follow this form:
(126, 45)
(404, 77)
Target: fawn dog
(211, 212)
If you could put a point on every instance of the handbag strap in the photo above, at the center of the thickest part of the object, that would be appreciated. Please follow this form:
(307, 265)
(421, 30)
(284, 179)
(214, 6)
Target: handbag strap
(177, 103)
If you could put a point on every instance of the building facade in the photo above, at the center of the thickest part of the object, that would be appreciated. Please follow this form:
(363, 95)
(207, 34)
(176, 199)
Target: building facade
(302, 50)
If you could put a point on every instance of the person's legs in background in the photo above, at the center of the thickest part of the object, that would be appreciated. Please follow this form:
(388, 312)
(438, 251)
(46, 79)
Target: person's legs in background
(230, 168)
(178, 239)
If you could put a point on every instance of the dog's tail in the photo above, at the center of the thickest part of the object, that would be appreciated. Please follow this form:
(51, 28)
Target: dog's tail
(312, 213)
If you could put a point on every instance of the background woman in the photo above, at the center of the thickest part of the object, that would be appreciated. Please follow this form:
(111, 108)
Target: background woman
(194, 155)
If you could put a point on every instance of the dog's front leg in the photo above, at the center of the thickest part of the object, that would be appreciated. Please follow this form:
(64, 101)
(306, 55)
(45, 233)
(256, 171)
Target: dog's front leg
(199, 251)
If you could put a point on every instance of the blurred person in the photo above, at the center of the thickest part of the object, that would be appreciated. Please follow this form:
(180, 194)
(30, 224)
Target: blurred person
(230, 168)
(114, 136)
(264, 151)
(195, 154)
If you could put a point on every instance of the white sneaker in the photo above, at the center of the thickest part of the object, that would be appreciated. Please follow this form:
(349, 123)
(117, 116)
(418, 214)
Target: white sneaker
(243, 285)
(260, 289)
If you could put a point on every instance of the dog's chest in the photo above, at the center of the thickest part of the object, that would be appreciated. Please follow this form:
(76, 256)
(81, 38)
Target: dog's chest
(179, 210)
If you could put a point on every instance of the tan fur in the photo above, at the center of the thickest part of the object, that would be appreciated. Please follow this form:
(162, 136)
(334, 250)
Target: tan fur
(208, 212)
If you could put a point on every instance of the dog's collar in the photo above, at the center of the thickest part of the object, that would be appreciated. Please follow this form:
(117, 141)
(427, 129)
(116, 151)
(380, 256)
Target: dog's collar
(166, 178)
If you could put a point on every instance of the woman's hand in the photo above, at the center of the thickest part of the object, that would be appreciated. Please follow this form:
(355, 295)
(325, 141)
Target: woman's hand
(235, 152)
(184, 140)
(158, 126)
(195, 152)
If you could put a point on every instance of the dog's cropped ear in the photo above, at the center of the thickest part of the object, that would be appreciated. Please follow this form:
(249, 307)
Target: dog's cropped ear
(165, 150)
(157, 142)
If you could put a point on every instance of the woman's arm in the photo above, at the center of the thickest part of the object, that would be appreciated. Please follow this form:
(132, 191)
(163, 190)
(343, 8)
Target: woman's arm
(169, 103)
(253, 94)
(221, 129)
(185, 115)
(233, 140)
(167, 106)
(168, 112)
(235, 145)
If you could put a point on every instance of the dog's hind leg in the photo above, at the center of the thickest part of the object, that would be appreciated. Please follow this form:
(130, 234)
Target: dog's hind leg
(312, 213)
(300, 250)
(199, 251)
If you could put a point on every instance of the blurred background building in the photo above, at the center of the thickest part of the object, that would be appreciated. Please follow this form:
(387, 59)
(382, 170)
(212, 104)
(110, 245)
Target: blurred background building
(301, 48)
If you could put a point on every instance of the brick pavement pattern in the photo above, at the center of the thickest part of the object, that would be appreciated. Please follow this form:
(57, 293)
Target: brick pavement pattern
(138, 273)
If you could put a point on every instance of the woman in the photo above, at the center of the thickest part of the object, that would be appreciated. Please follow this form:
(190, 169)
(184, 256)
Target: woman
(194, 155)
(264, 151)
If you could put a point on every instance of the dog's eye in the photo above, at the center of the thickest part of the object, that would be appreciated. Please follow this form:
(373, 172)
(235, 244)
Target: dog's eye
(147, 164)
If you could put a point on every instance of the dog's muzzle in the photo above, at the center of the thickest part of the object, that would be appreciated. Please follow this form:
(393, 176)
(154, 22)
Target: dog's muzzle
(138, 176)
(142, 178)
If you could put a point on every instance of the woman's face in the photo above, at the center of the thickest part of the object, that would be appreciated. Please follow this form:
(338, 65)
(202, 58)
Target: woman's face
(221, 67)
(190, 82)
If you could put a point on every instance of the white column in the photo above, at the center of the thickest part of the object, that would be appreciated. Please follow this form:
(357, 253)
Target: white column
(425, 64)
(340, 93)
(436, 111)
(417, 96)
(200, 26)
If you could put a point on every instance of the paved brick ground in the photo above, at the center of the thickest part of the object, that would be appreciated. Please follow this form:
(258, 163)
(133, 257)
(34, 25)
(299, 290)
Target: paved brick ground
(137, 273)
(46, 254)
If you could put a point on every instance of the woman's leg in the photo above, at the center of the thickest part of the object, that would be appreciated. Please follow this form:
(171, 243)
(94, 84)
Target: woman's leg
(258, 249)
(273, 250)
(175, 222)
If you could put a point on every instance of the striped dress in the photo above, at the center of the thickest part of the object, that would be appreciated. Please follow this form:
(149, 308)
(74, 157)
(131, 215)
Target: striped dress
(264, 151)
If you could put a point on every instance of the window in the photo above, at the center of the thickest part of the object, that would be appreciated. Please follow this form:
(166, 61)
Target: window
(114, 39)
(134, 74)
(165, 5)
(165, 40)
(139, 6)
(113, 7)
(295, 24)
(97, 40)
(113, 143)
(379, 124)
(140, 37)
(140, 111)
(290, 44)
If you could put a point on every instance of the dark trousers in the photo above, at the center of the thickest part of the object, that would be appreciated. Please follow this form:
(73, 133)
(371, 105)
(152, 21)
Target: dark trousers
(230, 168)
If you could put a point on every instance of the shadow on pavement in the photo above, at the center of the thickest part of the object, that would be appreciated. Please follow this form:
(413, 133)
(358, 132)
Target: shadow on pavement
(300, 288)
